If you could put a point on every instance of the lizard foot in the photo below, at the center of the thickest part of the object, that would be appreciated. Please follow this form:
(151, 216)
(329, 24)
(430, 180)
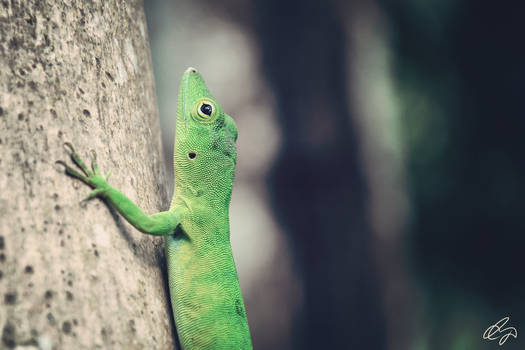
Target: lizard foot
(91, 177)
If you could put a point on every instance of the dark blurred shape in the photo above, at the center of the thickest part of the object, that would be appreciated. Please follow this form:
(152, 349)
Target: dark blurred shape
(461, 70)
(317, 186)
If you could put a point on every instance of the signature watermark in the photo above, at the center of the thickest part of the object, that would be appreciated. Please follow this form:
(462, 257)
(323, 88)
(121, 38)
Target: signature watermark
(496, 331)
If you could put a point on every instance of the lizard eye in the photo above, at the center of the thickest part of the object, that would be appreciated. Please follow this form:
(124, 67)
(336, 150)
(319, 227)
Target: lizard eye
(205, 110)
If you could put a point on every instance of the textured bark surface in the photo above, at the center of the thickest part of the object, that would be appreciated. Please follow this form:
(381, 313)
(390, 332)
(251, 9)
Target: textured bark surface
(74, 275)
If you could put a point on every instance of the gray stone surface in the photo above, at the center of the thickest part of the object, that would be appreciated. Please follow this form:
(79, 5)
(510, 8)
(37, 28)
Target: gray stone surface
(74, 275)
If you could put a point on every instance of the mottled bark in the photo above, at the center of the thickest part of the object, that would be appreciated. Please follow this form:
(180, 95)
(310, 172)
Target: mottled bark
(74, 275)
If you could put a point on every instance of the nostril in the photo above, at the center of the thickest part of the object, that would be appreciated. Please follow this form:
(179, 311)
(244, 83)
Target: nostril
(192, 155)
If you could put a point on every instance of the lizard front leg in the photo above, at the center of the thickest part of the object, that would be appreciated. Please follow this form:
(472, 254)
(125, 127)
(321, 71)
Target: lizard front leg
(158, 224)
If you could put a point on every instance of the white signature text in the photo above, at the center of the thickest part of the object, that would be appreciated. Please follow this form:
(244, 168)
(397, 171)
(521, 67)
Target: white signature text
(496, 331)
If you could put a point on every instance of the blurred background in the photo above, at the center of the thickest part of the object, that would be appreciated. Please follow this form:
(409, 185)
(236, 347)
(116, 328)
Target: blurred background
(378, 201)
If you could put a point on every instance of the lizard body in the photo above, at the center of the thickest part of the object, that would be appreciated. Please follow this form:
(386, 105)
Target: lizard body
(204, 289)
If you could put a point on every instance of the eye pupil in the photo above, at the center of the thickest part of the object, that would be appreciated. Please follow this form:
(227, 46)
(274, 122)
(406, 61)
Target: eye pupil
(192, 155)
(206, 109)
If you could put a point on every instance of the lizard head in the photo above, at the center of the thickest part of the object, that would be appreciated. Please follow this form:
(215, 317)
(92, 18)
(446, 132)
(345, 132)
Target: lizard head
(205, 153)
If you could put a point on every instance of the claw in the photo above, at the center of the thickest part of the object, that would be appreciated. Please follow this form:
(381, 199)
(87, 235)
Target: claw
(76, 159)
(70, 147)
(73, 173)
(94, 164)
(108, 174)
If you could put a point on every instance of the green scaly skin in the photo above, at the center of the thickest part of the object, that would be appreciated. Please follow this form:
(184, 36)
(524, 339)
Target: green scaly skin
(204, 288)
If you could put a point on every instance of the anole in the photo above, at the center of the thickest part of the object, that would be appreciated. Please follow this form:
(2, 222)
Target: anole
(204, 289)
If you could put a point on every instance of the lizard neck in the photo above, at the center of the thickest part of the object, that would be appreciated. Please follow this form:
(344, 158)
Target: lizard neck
(210, 187)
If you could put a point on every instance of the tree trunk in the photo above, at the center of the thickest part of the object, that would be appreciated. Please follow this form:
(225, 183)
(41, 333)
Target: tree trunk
(317, 184)
(74, 275)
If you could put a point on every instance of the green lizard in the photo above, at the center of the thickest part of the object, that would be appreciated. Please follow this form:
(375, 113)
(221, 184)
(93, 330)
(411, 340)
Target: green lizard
(204, 289)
